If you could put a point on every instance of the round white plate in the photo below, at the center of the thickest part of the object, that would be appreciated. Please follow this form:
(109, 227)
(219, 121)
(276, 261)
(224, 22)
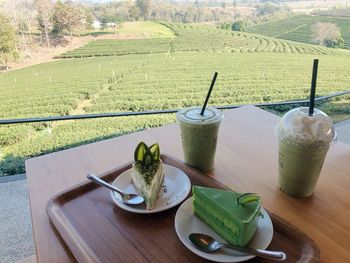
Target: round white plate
(186, 222)
(175, 182)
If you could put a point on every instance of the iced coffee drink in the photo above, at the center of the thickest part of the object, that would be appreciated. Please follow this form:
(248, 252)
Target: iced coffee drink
(303, 144)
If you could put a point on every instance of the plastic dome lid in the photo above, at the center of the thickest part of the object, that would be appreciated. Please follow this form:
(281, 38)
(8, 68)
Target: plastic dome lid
(297, 125)
(193, 115)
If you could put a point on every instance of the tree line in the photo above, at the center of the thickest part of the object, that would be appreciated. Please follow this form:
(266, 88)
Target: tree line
(185, 12)
(23, 20)
(157, 10)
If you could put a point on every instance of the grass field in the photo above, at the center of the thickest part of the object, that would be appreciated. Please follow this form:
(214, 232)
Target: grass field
(137, 29)
(166, 80)
(144, 29)
(298, 28)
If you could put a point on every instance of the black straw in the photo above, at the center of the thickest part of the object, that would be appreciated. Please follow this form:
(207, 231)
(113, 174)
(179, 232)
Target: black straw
(209, 92)
(313, 88)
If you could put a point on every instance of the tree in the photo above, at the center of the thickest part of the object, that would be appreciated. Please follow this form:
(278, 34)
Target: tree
(66, 18)
(21, 14)
(234, 4)
(327, 34)
(144, 7)
(198, 14)
(8, 41)
(89, 20)
(134, 12)
(153, 15)
(44, 17)
(238, 26)
(267, 9)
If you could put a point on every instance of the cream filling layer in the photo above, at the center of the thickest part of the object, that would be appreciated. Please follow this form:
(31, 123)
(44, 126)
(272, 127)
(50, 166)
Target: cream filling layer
(148, 192)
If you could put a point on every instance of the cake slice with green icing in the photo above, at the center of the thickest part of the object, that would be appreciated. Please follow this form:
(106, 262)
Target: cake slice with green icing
(147, 172)
(232, 215)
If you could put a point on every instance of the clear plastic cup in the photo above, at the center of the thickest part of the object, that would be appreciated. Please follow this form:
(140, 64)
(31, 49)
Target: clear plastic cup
(303, 145)
(199, 134)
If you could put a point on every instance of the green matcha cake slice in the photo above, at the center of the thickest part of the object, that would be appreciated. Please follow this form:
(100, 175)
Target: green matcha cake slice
(234, 220)
(147, 172)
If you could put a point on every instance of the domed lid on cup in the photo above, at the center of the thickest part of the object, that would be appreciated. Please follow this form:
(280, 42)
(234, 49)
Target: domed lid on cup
(296, 125)
(193, 115)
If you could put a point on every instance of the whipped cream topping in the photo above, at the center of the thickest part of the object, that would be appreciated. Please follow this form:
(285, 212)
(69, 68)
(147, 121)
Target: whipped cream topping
(297, 126)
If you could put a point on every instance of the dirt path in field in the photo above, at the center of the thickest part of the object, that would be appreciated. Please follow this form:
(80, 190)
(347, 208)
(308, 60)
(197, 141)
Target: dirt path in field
(85, 103)
(291, 30)
(82, 105)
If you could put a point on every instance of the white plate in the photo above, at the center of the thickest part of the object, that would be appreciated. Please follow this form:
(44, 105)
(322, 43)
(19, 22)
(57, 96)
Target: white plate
(186, 222)
(177, 187)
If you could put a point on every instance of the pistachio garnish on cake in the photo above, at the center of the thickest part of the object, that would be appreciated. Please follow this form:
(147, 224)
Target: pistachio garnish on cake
(233, 216)
(147, 172)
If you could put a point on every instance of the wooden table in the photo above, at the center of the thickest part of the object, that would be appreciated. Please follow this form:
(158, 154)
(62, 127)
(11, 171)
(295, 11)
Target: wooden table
(246, 160)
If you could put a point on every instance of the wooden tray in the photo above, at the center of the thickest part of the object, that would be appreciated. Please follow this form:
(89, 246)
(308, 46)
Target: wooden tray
(96, 230)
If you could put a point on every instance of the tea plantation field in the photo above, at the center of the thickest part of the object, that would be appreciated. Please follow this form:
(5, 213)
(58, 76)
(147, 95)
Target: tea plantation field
(197, 38)
(157, 80)
(298, 28)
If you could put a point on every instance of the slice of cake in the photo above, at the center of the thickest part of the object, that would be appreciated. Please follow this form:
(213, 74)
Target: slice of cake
(147, 172)
(232, 215)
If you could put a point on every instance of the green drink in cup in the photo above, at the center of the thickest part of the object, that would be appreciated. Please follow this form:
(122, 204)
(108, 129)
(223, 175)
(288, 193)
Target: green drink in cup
(199, 134)
(303, 144)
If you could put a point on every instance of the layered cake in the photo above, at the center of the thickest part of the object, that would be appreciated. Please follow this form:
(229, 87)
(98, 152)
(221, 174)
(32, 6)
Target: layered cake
(232, 215)
(147, 172)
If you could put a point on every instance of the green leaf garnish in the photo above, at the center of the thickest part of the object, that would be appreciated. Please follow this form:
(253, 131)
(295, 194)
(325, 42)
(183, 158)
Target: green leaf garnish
(155, 151)
(140, 152)
(247, 198)
(147, 155)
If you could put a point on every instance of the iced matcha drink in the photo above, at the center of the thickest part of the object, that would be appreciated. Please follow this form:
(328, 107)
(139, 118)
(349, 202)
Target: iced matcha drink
(303, 144)
(199, 135)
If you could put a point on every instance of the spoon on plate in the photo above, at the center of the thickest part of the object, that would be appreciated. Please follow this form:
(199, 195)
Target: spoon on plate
(129, 199)
(209, 245)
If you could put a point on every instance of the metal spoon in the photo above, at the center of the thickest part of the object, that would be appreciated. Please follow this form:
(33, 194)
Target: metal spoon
(209, 245)
(129, 199)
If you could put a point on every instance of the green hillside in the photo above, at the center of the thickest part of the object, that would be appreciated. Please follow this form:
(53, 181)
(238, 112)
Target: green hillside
(111, 47)
(153, 81)
(197, 38)
(345, 12)
(298, 28)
